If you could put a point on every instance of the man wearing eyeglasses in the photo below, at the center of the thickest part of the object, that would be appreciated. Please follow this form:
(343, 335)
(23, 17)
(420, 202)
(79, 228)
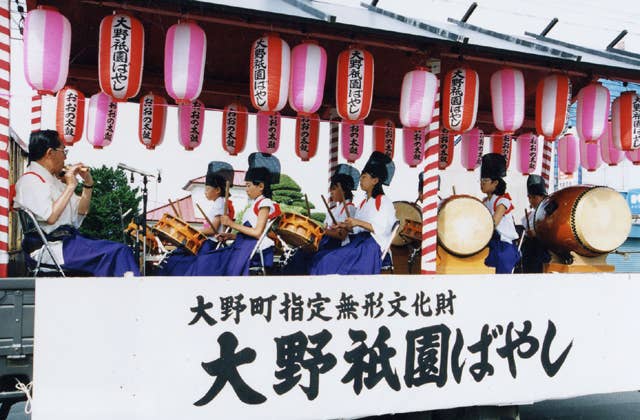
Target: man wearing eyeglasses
(49, 193)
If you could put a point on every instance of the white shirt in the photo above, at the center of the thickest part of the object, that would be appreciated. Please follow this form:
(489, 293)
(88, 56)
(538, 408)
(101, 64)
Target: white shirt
(506, 228)
(38, 197)
(381, 219)
(340, 214)
(217, 210)
(251, 216)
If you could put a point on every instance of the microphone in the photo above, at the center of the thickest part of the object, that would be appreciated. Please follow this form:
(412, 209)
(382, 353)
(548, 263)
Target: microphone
(134, 170)
(159, 176)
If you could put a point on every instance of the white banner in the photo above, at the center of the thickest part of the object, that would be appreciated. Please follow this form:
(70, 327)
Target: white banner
(327, 347)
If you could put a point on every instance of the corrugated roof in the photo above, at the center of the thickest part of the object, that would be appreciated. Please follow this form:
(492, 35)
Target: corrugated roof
(183, 205)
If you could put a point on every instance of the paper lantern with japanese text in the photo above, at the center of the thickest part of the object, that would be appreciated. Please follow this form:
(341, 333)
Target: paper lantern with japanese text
(501, 143)
(185, 54)
(152, 120)
(413, 145)
(47, 43)
(527, 152)
(625, 121)
(633, 156)
(384, 136)
(507, 99)
(610, 154)
(101, 120)
(471, 149)
(190, 124)
(568, 154)
(120, 56)
(589, 155)
(460, 99)
(553, 96)
(308, 72)
(69, 115)
(446, 148)
(270, 69)
(268, 131)
(417, 98)
(352, 135)
(307, 131)
(235, 121)
(592, 111)
(354, 84)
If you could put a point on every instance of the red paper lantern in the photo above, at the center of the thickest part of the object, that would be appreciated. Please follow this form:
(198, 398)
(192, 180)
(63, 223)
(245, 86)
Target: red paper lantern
(235, 120)
(152, 120)
(445, 152)
(354, 84)
(307, 131)
(69, 115)
(460, 100)
(384, 136)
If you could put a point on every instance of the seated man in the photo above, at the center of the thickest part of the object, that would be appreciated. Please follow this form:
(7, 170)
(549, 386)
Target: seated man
(59, 211)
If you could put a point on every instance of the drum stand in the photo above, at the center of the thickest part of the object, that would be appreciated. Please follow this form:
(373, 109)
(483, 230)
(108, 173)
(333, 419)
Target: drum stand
(447, 263)
(413, 257)
(578, 264)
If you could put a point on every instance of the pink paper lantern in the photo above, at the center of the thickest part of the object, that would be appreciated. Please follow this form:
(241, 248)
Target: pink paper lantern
(47, 42)
(527, 152)
(471, 149)
(413, 145)
(592, 111)
(501, 143)
(633, 156)
(120, 56)
(384, 136)
(308, 72)
(352, 135)
(70, 115)
(101, 121)
(190, 124)
(553, 96)
(418, 97)
(307, 131)
(568, 154)
(270, 69)
(610, 154)
(185, 53)
(460, 99)
(507, 99)
(354, 84)
(235, 122)
(445, 151)
(625, 121)
(589, 155)
(152, 120)
(268, 131)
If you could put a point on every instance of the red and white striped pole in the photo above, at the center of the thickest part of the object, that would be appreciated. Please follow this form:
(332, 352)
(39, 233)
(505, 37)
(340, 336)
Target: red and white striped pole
(5, 73)
(547, 154)
(36, 112)
(430, 185)
(334, 144)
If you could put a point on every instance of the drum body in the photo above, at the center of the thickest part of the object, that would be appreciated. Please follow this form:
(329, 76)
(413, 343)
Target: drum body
(465, 225)
(410, 217)
(585, 219)
(179, 233)
(300, 231)
(151, 244)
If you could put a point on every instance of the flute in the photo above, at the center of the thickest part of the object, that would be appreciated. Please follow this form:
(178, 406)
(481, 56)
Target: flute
(64, 170)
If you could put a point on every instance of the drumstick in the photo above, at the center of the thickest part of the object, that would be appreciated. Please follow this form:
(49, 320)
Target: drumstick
(526, 218)
(175, 210)
(204, 215)
(306, 200)
(453, 188)
(324, 200)
(226, 199)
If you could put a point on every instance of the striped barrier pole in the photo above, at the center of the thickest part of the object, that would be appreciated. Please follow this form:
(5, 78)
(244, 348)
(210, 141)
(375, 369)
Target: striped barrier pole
(5, 73)
(36, 112)
(334, 144)
(430, 185)
(547, 154)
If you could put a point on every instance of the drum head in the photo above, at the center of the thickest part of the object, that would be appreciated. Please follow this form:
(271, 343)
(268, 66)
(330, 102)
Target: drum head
(601, 219)
(465, 225)
(405, 211)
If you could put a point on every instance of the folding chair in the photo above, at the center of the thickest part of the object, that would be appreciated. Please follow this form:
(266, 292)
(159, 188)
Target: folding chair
(387, 257)
(260, 269)
(30, 225)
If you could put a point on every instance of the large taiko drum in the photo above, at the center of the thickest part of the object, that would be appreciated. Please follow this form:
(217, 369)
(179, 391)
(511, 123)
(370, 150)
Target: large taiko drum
(410, 218)
(585, 219)
(300, 231)
(179, 232)
(465, 225)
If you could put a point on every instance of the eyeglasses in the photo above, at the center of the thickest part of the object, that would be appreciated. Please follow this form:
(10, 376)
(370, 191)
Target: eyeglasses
(485, 180)
(63, 150)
